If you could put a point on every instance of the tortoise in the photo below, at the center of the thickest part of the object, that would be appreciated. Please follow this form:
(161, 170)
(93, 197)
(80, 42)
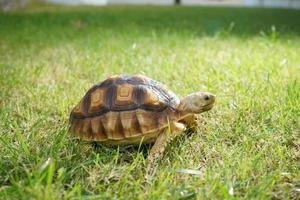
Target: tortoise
(135, 109)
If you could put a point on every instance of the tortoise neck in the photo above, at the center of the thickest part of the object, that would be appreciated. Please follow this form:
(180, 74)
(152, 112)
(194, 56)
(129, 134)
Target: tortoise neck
(183, 108)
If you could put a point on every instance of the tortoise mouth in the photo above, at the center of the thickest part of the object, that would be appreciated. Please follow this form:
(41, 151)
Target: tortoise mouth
(207, 107)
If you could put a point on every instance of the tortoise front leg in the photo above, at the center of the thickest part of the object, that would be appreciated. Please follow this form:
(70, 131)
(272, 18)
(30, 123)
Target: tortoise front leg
(191, 120)
(160, 144)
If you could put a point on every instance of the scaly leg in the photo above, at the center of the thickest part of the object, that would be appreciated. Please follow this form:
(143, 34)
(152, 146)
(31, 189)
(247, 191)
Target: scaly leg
(191, 121)
(160, 144)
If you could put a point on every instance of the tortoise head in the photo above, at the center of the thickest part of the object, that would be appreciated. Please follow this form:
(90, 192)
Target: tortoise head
(197, 102)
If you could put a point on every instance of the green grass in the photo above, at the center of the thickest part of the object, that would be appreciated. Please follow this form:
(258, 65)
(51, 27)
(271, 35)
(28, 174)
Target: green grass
(247, 147)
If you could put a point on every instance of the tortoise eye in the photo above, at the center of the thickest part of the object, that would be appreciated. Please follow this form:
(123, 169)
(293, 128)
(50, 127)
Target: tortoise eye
(206, 97)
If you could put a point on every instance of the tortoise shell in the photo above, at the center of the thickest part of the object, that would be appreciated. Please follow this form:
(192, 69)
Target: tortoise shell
(124, 109)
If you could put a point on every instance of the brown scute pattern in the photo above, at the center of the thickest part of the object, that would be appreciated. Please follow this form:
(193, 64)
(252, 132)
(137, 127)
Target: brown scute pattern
(76, 127)
(124, 91)
(123, 108)
(77, 108)
(111, 121)
(98, 129)
(125, 95)
(130, 124)
(87, 133)
(148, 120)
(97, 100)
(142, 92)
(118, 133)
(152, 99)
(116, 126)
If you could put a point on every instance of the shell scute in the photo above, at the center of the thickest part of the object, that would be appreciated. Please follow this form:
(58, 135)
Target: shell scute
(98, 129)
(124, 95)
(130, 124)
(86, 132)
(97, 100)
(111, 123)
(148, 120)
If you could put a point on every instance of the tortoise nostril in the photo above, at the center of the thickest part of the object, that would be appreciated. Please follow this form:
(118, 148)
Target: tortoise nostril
(206, 97)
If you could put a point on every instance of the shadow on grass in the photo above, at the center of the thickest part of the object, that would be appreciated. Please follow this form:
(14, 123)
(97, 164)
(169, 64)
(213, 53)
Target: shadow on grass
(126, 151)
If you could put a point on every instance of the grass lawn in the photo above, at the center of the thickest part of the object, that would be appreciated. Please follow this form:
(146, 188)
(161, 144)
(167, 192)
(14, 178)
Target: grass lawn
(247, 146)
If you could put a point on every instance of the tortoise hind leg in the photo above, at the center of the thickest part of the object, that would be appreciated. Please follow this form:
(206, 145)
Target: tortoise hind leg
(160, 144)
